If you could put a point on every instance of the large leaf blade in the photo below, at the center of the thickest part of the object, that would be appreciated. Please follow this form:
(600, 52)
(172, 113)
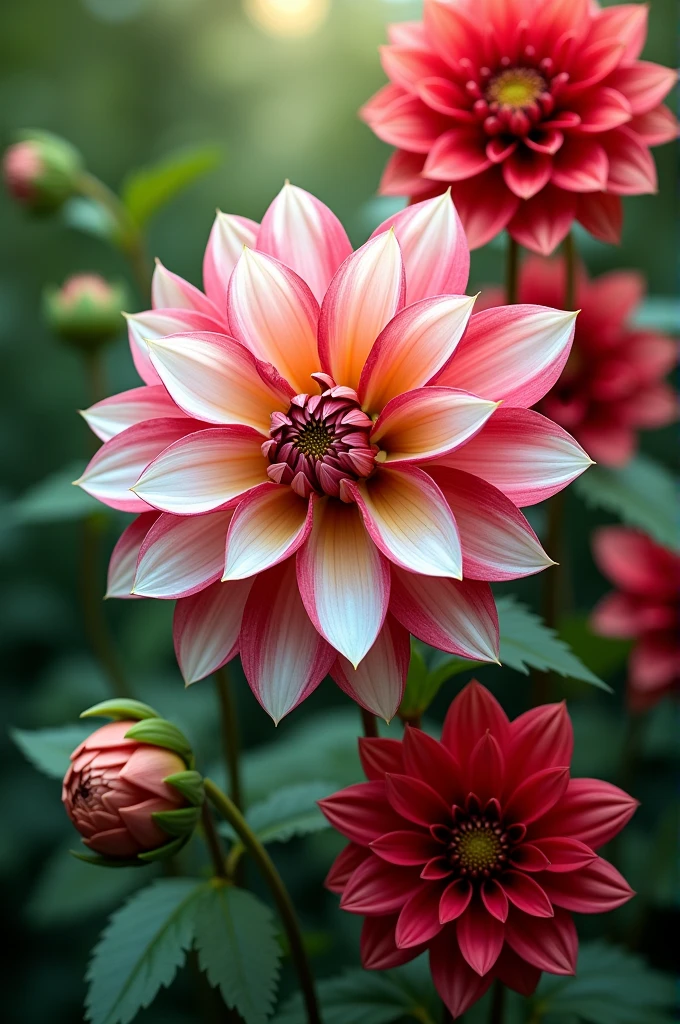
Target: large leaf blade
(49, 750)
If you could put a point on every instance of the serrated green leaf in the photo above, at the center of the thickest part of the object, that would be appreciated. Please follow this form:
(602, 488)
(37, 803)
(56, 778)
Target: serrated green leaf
(55, 499)
(146, 190)
(238, 949)
(141, 949)
(289, 812)
(643, 494)
(49, 750)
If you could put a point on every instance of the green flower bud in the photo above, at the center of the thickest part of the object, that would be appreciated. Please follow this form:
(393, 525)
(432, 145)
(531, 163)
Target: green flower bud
(86, 311)
(41, 171)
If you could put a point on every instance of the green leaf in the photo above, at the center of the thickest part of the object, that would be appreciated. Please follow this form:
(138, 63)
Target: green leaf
(120, 709)
(140, 949)
(643, 494)
(238, 949)
(288, 812)
(55, 499)
(526, 642)
(89, 217)
(146, 190)
(160, 733)
(367, 997)
(49, 750)
(611, 986)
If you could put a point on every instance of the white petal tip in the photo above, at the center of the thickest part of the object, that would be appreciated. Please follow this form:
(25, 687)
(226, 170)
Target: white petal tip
(78, 483)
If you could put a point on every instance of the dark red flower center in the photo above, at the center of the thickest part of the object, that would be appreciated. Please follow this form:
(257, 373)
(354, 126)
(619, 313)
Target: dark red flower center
(321, 441)
(478, 843)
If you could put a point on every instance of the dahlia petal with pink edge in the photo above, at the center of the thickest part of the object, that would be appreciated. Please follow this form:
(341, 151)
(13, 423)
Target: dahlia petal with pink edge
(602, 216)
(656, 126)
(228, 235)
(361, 812)
(542, 737)
(564, 855)
(480, 937)
(549, 943)
(526, 894)
(408, 847)
(543, 221)
(581, 166)
(471, 714)
(601, 110)
(378, 683)
(483, 221)
(427, 760)
(123, 561)
(457, 984)
(403, 175)
(170, 291)
(643, 84)
(590, 810)
(268, 526)
(632, 170)
(624, 24)
(158, 323)
(206, 628)
(113, 415)
(419, 917)
(181, 555)
(379, 755)
(406, 122)
(595, 888)
(377, 888)
(415, 801)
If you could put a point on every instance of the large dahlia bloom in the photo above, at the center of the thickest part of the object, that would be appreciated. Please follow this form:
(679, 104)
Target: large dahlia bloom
(613, 383)
(536, 112)
(645, 607)
(329, 451)
(478, 848)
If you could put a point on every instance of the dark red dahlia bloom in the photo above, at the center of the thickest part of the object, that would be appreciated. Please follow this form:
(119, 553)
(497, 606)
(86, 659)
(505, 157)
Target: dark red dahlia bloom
(645, 606)
(613, 383)
(477, 848)
(536, 112)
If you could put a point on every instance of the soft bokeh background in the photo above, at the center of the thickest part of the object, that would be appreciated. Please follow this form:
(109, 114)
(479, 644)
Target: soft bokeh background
(275, 85)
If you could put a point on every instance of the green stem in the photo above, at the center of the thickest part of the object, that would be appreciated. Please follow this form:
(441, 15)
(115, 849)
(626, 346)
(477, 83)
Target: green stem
(370, 723)
(231, 813)
(129, 237)
(230, 738)
(512, 272)
(213, 843)
(497, 1003)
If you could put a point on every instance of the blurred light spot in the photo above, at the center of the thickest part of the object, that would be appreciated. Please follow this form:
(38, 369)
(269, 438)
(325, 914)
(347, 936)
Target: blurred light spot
(115, 10)
(288, 17)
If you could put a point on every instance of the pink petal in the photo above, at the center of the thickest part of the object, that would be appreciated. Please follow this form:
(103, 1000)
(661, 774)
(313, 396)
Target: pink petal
(428, 423)
(203, 471)
(433, 247)
(379, 755)
(402, 175)
(526, 894)
(274, 314)
(303, 233)
(591, 890)
(157, 323)
(409, 519)
(540, 738)
(206, 628)
(616, 615)
(170, 291)
(602, 215)
(405, 122)
(486, 768)
(123, 562)
(181, 555)
(632, 170)
(455, 900)
(528, 857)
(406, 65)
(444, 96)
(655, 663)
(140, 824)
(112, 472)
(284, 658)
(365, 294)
(343, 866)
(361, 813)
(406, 847)
(485, 204)
(581, 166)
(343, 580)
(472, 713)
(497, 541)
(457, 617)
(643, 84)
(113, 415)
(457, 154)
(416, 801)
(268, 526)
(536, 795)
(655, 127)
(148, 766)
(377, 888)
(542, 222)
(480, 937)
(494, 899)
(526, 172)
(228, 235)
(214, 378)
(622, 24)
(590, 810)
(451, 31)
(413, 348)
(512, 353)
(601, 110)
(633, 562)
(379, 951)
(428, 760)
(419, 918)
(114, 843)
(379, 681)
(549, 943)
(564, 855)
(457, 984)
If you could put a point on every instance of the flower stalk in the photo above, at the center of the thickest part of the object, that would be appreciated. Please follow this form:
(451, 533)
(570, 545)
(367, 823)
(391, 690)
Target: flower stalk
(252, 844)
(512, 272)
(369, 722)
(497, 1011)
(128, 236)
(230, 737)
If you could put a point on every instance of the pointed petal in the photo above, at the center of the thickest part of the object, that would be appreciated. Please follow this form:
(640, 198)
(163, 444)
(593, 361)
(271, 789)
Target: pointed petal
(367, 291)
(268, 526)
(406, 847)
(405, 121)
(593, 889)
(379, 951)
(433, 247)
(602, 215)
(526, 172)
(408, 518)
(123, 562)
(634, 563)
(379, 681)
(486, 768)
(549, 943)
(643, 84)
(455, 900)
(590, 810)
(361, 813)
(284, 658)
(474, 711)
(379, 755)
(525, 455)
(457, 984)
(181, 555)
(402, 175)
(564, 855)
(206, 628)
(480, 937)
(416, 801)
(303, 233)
(115, 468)
(419, 918)
(581, 166)
(413, 348)
(516, 973)
(497, 541)
(170, 291)
(512, 353)
(527, 895)
(656, 126)
(495, 899)
(203, 471)
(540, 738)
(543, 221)
(343, 866)
(157, 323)
(378, 888)
(457, 617)
(428, 760)
(622, 23)
(214, 378)
(113, 415)
(228, 235)
(344, 582)
(274, 314)
(536, 795)
(632, 170)
(602, 109)
(486, 219)
(457, 154)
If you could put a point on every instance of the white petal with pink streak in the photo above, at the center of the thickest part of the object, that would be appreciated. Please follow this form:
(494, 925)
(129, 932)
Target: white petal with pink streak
(157, 323)
(228, 235)
(269, 525)
(206, 628)
(170, 291)
(113, 415)
(181, 555)
(379, 681)
(123, 561)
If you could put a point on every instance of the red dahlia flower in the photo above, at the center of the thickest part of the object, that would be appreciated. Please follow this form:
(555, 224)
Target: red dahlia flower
(477, 848)
(645, 606)
(613, 383)
(536, 112)
(329, 451)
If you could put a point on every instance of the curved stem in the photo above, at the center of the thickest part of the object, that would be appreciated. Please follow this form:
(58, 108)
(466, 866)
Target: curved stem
(497, 1003)
(213, 843)
(370, 723)
(231, 813)
(512, 272)
(129, 238)
(230, 738)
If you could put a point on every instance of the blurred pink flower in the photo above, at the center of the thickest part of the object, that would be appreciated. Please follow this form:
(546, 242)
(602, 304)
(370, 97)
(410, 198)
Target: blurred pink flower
(318, 455)
(613, 382)
(644, 607)
(22, 168)
(536, 112)
(478, 848)
(114, 786)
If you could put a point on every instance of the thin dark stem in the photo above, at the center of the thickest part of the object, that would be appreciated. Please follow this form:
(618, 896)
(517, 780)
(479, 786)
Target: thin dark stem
(571, 266)
(446, 1016)
(129, 238)
(497, 1003)
(370, 723)
(212, 840)
(230, 737)
(285, 907)
(512, 272)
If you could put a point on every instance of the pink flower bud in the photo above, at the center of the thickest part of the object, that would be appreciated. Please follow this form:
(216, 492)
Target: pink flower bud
(22, 168)
(86, 310)
(42, 171)
(113, 788)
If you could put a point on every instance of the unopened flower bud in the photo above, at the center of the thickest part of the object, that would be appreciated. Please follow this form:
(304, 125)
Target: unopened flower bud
(86, 310)
(41, 171)
(131, 790)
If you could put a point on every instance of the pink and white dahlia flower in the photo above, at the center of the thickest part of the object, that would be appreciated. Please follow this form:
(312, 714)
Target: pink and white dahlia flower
(329, 451)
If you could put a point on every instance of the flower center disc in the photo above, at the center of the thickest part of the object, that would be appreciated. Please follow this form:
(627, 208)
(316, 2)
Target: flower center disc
(515, 88)
(477, 848)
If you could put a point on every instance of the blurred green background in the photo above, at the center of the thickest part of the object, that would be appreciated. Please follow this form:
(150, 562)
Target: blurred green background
(128, 81)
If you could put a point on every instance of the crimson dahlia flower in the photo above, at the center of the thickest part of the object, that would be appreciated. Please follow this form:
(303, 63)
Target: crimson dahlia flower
(536, 112)
(613, 383)
(644, 607)
(329, 451)
(478, 848)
